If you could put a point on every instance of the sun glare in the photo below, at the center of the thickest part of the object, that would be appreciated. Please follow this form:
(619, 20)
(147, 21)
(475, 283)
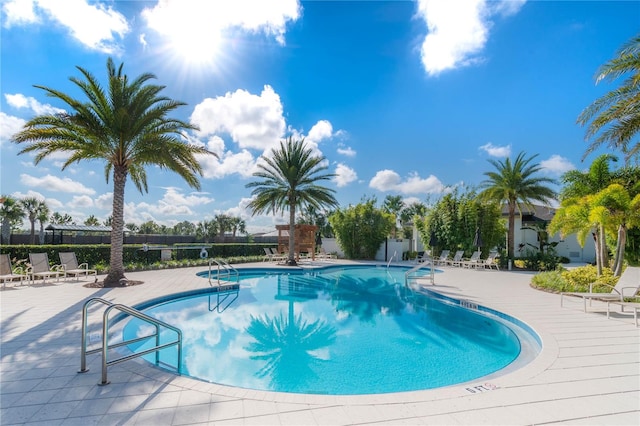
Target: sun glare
(194, 48)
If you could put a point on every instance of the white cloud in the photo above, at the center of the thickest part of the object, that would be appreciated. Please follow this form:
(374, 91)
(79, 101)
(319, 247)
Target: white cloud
(55, 183)
(496, 151)
(344, 175)
(95, 25)
(19, 12)
(458, 31)
(9, 126)
(104, 201)
(556, 165)
(320, 131)
(52, 203)
(176, 197)
(199, 22)
(388, 180)
(80, 201)
(242, 163)
(252, 121)
(346, 151)
(20, 101)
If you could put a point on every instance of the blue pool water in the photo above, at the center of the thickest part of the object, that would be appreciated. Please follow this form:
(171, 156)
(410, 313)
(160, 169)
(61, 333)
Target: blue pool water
(337, 330)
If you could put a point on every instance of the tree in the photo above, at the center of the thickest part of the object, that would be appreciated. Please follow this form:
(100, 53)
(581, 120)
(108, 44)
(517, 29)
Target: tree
(515, 184)
(361, 229)
(11, 214)
(92, 221)
(132, 227)
(289, 180)
(184, 228)
(410, 214)
(32, 207)
(614, 119)
(149, 227)
(127, 127)
(206, 229)
(42, 217)
(393, 204)
(61, 219)
(223, 223)
(238, 225)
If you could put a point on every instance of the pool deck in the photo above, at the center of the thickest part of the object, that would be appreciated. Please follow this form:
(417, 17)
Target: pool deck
(587, 373)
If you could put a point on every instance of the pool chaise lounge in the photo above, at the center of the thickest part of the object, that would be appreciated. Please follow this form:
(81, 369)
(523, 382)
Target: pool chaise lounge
(70, 266)
(628, 285)
(8, 273)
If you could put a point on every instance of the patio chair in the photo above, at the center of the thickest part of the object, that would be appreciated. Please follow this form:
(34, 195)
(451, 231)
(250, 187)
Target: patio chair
(324, 255)
(442, 260)
(268, 255)
(40, 268)
(423, 257)
(457, 258)
(473, 261)
(8, 272)
(69, 263)
(491, 261)
(277, 256)
(628, 285)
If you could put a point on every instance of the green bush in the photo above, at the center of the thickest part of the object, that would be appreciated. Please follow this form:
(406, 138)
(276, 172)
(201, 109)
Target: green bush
(574, 280)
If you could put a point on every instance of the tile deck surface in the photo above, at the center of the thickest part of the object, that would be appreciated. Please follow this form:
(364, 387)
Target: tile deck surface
(587, 373)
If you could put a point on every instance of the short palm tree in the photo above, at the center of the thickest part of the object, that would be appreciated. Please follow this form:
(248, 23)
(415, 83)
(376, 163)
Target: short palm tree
(516, 184)
(32, 207)
(10, 213)
(43, 216)
(126, 126)
(614, 118)
(289, 180)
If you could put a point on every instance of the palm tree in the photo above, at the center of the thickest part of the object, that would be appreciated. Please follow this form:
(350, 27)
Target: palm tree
(615, 117)
(10, 212)
(393, 204)
(238, 225)
(43, 216)
(32, 207)
(92, 221)
(127, 127)
(516, 184)
(289, 179)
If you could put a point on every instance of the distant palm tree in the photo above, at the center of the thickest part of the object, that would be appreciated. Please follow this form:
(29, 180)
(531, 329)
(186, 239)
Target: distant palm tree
(289, 179)
(32, 207)
(127, 127)
(92, 221)
(615, 117)
(43, 216)
(515, 184)
(10, 212)
(393, 204)
(238, 225)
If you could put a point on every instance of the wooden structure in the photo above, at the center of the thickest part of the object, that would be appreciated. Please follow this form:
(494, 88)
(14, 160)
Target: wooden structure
(305, 240)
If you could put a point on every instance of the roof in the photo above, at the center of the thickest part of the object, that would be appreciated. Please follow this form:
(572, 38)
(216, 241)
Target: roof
(534, 212)
(82, 228)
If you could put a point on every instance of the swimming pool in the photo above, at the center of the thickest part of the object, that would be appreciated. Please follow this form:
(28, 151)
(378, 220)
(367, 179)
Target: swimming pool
(335, 330)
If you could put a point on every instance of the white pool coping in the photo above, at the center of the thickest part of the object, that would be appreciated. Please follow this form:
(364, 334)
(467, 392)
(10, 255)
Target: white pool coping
(587, 373)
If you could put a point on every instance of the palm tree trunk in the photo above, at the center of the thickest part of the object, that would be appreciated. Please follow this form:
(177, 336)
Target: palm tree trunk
(6, 231)
(32, 240)
(601, 247)
(597, 248)
(292, 231)
(619, 255)
(511, 232)
(116, 264)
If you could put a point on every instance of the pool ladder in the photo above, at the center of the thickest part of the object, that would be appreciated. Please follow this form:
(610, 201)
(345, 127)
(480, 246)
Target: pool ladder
(420, 265)
(125, 310)
(224, 270)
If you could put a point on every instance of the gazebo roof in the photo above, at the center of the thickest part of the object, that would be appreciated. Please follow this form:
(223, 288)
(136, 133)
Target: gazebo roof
(80, 228)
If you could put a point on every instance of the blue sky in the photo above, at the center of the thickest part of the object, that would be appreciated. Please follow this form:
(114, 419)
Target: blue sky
(403, 98)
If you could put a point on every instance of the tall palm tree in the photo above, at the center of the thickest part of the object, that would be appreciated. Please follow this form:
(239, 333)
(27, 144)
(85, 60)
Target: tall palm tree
(393, 204)
(238, 225)
(127, 127)
(43, 216)
(10, 213)
(289, 180)
(32, 207)
(516, 184)
(614, 118)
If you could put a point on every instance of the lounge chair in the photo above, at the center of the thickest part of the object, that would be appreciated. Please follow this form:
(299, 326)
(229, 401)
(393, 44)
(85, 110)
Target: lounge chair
(491, 261)
(277, 256)
(457, 258)
(69, 263)
(473, 261)
(442, 260)
(8, 273)
(627, 286)
(40, 268)
(423, 257)
(322, 254)
(268, 255)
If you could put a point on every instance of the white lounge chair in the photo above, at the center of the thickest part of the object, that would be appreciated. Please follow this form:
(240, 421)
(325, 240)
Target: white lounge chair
(627, 286)
(473, 261)
(40, 268)
(322, 254)
(70, 266)
(268, 255)
(491, 261)
(442, 260)
(457, 258)
(277, 256)
(8, 272)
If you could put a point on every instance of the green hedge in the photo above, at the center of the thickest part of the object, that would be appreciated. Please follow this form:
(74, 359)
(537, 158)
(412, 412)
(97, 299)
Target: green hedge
(98, 254)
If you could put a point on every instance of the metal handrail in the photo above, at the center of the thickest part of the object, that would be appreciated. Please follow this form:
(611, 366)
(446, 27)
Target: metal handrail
(105, 337)
(395, 253)
(419, 266)
(227, 270)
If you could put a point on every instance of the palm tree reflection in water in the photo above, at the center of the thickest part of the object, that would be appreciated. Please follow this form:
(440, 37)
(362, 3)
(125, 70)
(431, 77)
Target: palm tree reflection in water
(289, 345)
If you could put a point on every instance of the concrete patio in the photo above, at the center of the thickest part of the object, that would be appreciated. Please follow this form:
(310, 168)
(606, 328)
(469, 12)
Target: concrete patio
(587, 373)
